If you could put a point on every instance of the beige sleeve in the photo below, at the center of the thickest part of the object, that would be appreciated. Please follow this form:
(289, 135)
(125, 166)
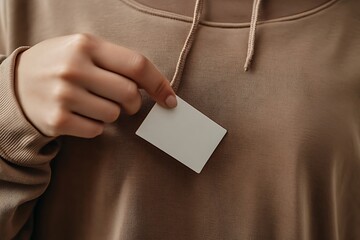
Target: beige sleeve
(25, 153)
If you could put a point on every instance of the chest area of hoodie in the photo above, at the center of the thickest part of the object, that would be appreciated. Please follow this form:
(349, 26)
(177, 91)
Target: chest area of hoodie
(303, 82)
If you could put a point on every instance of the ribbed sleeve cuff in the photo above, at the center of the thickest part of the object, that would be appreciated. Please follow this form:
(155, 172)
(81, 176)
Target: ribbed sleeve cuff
(20, 141)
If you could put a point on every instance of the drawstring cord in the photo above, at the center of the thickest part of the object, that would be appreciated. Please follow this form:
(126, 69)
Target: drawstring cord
(251, 41)
(187, 46)
(191, 37)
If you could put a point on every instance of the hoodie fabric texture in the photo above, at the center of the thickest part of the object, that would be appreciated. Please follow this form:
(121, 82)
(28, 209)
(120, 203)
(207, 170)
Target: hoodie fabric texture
(289, 167)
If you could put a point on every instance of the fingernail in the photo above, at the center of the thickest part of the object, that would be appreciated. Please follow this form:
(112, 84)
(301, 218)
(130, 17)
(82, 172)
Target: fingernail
(171, 101)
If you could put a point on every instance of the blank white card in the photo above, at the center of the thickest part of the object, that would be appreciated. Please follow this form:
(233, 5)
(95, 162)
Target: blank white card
(183, 132)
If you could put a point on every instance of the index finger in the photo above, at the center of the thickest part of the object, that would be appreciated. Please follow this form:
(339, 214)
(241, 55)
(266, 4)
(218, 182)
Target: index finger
(137, 67)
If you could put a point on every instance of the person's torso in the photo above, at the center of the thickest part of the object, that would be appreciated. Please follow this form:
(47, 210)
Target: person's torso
(287, 169)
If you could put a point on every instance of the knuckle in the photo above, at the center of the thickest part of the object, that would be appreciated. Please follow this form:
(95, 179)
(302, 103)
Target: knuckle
(66, 71)
(135, 108)
(63, 94)
(82, 42)
(160, 88)
(139, 64)
(113, 114)
(94, 131)
(57, 121)
(131, 93)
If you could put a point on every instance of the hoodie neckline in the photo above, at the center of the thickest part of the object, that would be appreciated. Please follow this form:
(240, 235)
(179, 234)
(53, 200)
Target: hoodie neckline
(179, 17)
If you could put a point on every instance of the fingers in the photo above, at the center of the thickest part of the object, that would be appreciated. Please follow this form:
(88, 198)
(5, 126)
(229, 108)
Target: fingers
(72, 85)
(92, 106)
(138, 68)
(75, 125)
(113, 87)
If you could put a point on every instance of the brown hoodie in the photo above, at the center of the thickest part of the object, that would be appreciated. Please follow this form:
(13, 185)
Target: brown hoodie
(289, 167)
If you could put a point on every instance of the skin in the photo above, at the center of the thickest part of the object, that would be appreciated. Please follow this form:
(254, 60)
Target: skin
(73, 85)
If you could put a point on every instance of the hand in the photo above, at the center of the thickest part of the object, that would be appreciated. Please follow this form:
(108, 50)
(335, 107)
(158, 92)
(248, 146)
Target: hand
(72, 85)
